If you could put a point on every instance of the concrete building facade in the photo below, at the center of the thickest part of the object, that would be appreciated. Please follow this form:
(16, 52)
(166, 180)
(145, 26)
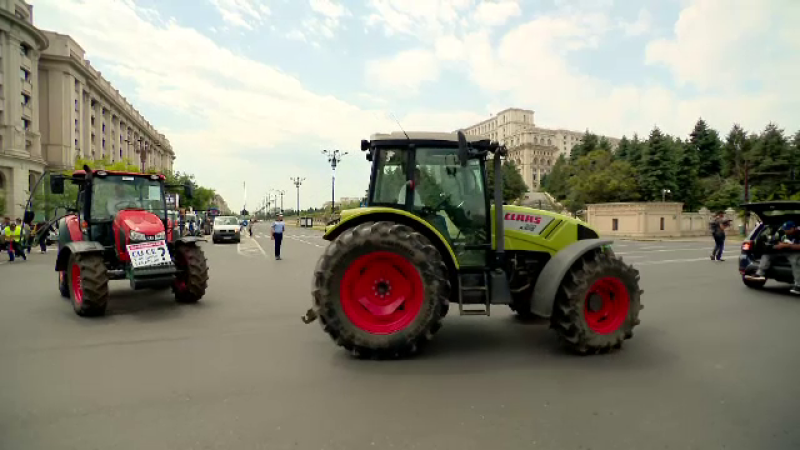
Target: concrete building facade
(57, 108)
(534, 149)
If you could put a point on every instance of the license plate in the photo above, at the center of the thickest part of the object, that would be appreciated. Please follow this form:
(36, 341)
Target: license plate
(149, 254)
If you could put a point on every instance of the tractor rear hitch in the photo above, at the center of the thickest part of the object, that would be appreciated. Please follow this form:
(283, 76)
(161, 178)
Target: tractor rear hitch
(310, 316)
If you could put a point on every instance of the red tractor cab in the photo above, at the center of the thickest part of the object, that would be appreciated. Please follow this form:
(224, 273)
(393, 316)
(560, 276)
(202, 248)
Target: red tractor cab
(120, 229)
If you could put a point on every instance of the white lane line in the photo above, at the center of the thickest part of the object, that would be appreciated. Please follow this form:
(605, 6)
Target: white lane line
(664, 250)
(260, 248)
(653, 247)
(295, 238)
(669, 261)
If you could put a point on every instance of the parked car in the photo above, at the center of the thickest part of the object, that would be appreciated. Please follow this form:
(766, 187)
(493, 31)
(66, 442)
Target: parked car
(226, 228)
(760, 241)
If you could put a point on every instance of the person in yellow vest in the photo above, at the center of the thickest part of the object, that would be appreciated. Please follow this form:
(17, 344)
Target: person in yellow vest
(14, 239)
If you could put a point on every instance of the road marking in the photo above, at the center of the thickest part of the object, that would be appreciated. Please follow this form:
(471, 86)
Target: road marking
(668, 261)
(653, 247)
(664, 250)
(295, 238)
(260, 248)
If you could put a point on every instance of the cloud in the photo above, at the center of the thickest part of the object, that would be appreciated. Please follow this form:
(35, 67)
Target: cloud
(242, 13)
(296, 35)
(640, 26)
(406, 71)
(327, 18)
(495, 13)
(429, 18)
(234, 118)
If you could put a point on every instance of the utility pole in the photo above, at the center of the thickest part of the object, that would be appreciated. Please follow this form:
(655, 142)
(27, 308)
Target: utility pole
(297, 181)
(334, 157)
(282, 192)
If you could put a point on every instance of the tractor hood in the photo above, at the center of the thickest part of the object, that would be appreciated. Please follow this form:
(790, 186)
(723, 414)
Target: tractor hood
(143, 222)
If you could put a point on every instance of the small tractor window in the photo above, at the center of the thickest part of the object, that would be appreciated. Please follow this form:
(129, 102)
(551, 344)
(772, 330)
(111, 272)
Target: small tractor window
(390, 177)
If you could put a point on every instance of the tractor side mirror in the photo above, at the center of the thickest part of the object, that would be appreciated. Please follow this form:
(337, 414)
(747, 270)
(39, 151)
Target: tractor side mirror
(28, 217)
(57, 184)
(463, 150)
(189, 188)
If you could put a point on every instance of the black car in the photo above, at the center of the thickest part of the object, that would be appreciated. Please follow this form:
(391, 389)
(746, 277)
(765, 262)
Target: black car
(763, 237)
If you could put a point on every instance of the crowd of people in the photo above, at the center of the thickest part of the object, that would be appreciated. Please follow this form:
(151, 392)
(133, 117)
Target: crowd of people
(17, 238)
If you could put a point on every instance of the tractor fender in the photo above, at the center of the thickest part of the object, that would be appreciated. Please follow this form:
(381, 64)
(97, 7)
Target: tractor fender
(550, 278)
(76, 247)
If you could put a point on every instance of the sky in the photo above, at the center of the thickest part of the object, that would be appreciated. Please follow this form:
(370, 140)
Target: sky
(252, 91)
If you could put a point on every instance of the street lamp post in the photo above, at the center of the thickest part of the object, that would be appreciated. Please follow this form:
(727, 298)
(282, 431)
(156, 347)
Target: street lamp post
(664, 193)
(282, 192)
(297, 181)
(334, 157)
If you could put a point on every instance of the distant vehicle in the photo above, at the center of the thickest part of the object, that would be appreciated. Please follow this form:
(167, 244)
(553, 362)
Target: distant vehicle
(226, 228)
(763, 237)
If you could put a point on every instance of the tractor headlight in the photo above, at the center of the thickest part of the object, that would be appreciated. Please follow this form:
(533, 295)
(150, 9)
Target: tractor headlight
(161, 236)
(136, 236)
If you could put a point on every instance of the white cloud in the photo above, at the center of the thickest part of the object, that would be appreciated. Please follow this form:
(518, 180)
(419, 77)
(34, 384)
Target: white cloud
(640, 26)
(242, 13)
(328, 8)
(406, 71)
(327, 18)
(495, 13)
(750, 42)
(296, 35)
(416, 17)
(239, 118)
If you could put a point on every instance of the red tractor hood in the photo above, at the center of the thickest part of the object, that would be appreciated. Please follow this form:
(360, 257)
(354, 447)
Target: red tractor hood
(142, 221)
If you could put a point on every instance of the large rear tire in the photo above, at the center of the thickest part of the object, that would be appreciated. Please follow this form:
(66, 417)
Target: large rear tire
(192, 279)
(598, 304)
(88, 284)
(381, 290)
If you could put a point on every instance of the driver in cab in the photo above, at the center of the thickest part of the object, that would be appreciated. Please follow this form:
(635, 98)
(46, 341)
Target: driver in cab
(117, 201)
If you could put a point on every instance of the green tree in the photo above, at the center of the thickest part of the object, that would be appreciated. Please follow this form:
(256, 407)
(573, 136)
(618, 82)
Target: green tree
(708, 148)
(556, 182)
(588, 144)
(623, 152)
(636, 152)
(733, 153)
(687, 181)
(770, 160)
(513, 185)
(598, 178)
(656, 171)
(724, 193)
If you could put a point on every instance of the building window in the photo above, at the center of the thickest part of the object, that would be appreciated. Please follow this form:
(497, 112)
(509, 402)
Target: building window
(120, 153)
(92, 137)
(26, 124)
(76, 105)
(104, 143)
(76, 124)
(614, 224)
(104, 127)
(25, 98)
(662, 224)
(24, 74)
(24, 50)
(92, 120)
(76, 143)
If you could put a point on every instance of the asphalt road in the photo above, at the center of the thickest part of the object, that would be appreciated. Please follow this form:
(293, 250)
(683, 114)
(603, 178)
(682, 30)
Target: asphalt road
(713, 365)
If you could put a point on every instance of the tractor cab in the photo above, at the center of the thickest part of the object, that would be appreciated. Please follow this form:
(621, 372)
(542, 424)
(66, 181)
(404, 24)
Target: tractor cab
(435, 181)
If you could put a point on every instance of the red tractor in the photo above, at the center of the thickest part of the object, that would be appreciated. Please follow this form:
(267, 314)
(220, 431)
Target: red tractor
(119, 229)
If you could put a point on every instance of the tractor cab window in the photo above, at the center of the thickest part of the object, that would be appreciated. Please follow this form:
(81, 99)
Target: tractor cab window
(390, 178)
(114, 193)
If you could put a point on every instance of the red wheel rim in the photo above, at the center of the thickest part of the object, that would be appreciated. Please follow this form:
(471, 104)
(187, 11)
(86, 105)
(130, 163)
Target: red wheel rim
(382, 293)
(606, 305)
(77, 290)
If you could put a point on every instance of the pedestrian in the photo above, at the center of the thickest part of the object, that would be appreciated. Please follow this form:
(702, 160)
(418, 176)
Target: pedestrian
(13, 235)
(6, 222)
(250, 227)
(718, 226)
(277, 235)
(42, 233)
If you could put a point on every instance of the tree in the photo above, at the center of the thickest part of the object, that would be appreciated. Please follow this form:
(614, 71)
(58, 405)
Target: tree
(708, 148)
(733, 153)
(556, 182)
(598, 178)
(513, 185)
(770, 160)
(587, 145)
(623, 152)
(687, 181)
(656, 171)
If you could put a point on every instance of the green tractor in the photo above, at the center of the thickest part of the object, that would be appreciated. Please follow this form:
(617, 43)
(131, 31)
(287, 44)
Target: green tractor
(428, 239)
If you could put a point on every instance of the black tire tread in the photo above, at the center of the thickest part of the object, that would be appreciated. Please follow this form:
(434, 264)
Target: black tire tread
(568, 319)
(196, 273)
(94, 282)
(420, 252)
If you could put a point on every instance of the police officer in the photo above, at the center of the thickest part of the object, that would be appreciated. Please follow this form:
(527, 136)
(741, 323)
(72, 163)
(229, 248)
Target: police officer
(277, 235)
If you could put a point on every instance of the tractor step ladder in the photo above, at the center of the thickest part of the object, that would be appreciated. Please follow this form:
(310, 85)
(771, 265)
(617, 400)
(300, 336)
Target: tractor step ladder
(477, 309)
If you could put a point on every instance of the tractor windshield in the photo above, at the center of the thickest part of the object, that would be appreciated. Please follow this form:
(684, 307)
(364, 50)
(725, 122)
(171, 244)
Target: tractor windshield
(114, 193)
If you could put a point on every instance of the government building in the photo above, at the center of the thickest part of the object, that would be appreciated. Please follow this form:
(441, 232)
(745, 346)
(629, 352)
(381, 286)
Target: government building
(533, 149)
(66, 111)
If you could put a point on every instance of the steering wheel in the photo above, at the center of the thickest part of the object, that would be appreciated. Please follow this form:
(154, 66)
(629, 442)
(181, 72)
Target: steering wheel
(445, 199)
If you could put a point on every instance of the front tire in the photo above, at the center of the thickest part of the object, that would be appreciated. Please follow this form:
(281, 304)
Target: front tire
(88, 284)
(192, 278)
(381, 290)
(598, 304)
